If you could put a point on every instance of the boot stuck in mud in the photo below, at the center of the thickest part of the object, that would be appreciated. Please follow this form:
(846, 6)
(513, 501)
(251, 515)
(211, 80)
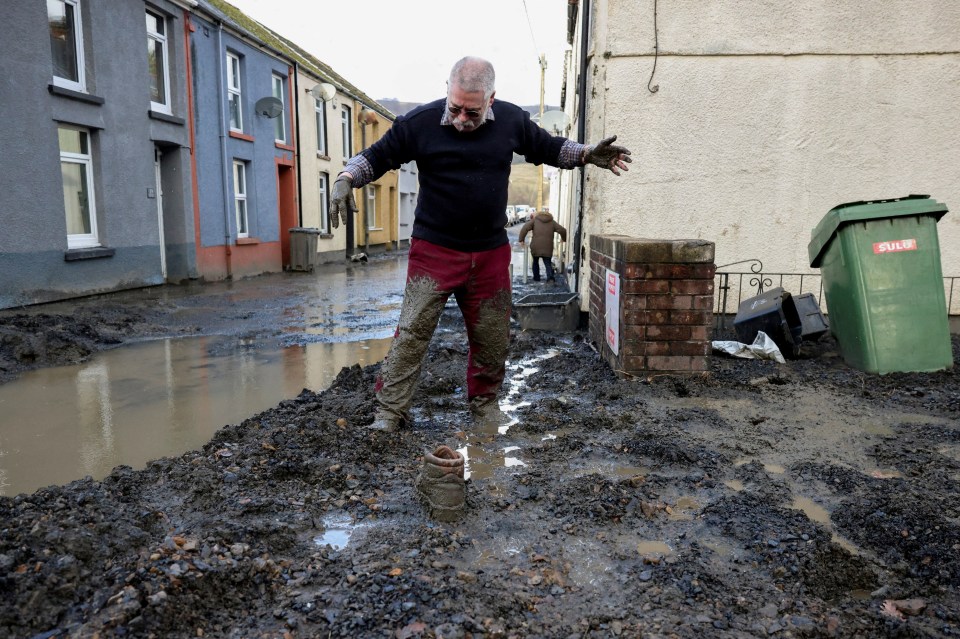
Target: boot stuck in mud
(440, 485)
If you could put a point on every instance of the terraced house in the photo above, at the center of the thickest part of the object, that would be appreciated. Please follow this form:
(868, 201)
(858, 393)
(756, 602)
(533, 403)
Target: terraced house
(153, 142)
(96, 168)
(749, 121)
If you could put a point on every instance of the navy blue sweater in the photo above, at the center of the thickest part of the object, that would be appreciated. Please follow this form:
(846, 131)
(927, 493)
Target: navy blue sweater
(463, 176)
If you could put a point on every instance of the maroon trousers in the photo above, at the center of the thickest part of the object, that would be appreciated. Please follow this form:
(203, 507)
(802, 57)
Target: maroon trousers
(481, 284)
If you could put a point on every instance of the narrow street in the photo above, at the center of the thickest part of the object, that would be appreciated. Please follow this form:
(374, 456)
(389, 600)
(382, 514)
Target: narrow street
(213, 355)
(803, 499)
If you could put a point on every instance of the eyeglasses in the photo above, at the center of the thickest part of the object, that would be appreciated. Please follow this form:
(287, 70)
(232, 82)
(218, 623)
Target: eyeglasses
(471, 113)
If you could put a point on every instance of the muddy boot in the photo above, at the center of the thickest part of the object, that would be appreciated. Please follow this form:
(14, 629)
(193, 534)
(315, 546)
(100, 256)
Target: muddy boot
(387, 421)
(486, 412)
(440, 484)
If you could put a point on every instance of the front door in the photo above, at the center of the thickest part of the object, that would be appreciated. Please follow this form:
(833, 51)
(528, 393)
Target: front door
(287, 201)
(163, 247)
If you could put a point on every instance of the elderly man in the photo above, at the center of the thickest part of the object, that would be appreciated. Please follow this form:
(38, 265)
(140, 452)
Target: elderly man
(463, 146)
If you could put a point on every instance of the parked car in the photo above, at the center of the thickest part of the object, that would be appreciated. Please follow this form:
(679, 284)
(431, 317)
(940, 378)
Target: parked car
(522, 213)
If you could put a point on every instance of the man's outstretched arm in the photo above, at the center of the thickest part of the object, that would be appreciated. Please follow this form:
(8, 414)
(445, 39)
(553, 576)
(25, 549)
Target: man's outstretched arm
(608, 155)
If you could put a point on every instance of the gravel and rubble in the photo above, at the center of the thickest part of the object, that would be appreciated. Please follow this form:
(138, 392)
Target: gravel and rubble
(803, 499)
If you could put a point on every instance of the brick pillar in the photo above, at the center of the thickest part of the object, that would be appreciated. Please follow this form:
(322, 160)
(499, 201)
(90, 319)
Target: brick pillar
(666, 303)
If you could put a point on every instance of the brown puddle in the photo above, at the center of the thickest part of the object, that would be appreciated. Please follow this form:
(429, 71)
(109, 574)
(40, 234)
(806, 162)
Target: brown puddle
(818, 514)
(846, 544)
(734, 484)
(775, 469)
(151, 400)
(885, 474)
(652, 549)
(813, 510)
(683, 509)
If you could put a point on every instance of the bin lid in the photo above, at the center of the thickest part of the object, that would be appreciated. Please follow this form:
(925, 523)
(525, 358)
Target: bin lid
(867, 210)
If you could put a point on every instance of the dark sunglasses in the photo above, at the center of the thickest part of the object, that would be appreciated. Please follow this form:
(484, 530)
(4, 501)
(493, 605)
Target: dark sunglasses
(471, 113)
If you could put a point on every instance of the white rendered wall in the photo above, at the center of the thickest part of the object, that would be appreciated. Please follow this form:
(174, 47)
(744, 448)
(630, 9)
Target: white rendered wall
(768, 115)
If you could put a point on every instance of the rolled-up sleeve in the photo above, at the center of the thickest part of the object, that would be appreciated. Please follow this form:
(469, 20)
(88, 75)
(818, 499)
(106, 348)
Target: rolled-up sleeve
(571, 155)
(359, 167)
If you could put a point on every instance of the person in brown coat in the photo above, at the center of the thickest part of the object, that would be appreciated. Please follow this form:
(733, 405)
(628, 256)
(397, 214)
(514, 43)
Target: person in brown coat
(541, 246)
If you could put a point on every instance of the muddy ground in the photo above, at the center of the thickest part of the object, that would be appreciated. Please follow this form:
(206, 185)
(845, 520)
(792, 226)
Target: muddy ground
(797, 500)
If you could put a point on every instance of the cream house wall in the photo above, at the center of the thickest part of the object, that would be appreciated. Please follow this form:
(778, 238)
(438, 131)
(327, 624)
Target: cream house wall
(768, 115)
(383, 234)
(331, 243)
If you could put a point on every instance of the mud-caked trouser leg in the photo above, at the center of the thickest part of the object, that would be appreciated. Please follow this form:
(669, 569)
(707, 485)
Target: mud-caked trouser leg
(424, 297)
(485, 302)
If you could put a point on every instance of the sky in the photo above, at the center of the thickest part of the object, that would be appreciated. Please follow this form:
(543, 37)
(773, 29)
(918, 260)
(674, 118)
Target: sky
(404, 50)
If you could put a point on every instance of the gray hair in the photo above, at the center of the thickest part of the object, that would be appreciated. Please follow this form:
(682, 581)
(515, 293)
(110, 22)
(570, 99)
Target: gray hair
(473, 74)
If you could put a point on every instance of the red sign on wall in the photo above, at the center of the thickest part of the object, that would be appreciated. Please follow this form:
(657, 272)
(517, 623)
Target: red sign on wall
(895, 246)
(612, 305)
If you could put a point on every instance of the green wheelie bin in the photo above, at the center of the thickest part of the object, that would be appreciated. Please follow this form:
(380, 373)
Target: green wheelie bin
(883, 283)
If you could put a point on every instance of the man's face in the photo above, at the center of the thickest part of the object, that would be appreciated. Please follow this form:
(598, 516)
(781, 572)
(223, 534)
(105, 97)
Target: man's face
(467, 109)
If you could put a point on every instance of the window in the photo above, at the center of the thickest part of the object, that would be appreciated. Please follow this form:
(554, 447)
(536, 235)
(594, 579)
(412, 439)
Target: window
(371, 207)
(240, 197)
(66, 43)
(346, 131)
(318, 107)
(76, 165)
(279, 126)
(233, 92)
(158, 63)
(324, 203)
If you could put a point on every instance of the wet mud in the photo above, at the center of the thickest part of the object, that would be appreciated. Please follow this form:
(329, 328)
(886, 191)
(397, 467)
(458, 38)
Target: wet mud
(281, 309)
(797, 500)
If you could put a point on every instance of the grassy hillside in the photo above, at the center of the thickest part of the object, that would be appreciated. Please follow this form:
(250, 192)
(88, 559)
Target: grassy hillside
(523, 185)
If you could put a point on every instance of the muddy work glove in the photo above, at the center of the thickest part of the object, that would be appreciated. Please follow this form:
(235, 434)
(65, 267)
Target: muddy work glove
(342, 201)
(608, 155)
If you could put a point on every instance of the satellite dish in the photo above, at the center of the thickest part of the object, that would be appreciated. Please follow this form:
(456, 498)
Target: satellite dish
(323, 92)
(269, 107)
(555, 121)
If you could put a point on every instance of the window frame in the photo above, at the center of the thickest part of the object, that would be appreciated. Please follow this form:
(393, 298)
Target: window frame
(324, 186)
(234, 91)
(241, 198)
(371, 207)
(346, 131)
(280, 122)
(320, 109)
(164, 43)
(80, 84)
(86, 160)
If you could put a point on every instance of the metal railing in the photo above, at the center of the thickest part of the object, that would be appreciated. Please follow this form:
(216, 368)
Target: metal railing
(732, 287)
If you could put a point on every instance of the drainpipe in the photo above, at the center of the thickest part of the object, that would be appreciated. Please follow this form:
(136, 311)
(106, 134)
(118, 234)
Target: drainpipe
(366, 202)
(581, 133)
(224, 176)
(351, 218)
(188, 28)
(365, 117)
(296, 119)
